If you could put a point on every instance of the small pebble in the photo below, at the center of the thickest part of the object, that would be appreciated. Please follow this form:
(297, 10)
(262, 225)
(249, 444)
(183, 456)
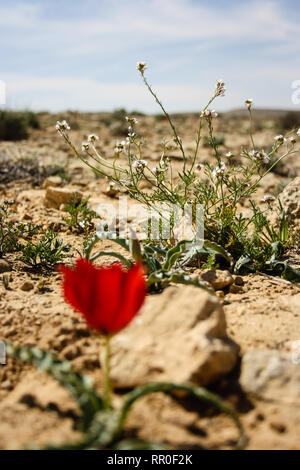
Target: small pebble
(239, 281)
(234, 289)
(27, 286)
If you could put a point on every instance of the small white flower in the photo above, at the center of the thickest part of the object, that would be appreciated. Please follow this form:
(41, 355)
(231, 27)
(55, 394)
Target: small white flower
(249, 102)
(131, 120)
(298, 132)
(209, 114)
(292, 140)
(220, 169)
(229, 154)
(260, 156)
(62, 127)
(220, 88)
(141, 66)
(85, 146)
(139, 164)
(199, 166)
(279, 139)
(93, 138)
(267, 198)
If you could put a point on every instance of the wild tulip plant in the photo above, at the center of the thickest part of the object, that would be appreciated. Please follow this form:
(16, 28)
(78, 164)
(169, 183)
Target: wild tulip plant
(219, 188)
(108, 298)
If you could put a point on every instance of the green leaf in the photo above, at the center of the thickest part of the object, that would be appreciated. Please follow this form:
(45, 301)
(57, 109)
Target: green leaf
(173, 254)
(207, 247)
(114, 254)
(242, 265)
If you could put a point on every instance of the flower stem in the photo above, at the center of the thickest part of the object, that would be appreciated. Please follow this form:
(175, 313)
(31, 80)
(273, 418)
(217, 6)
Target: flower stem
(105, 364)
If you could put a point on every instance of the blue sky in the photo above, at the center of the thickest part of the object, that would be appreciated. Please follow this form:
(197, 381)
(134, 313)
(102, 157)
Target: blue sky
(72, 54)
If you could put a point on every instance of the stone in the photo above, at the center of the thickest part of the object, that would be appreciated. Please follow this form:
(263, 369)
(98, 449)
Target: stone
(234, 289)
(271, 375)
(239, 281)
(52, 181)
(216, 277)
(55, 197)
(27, 286)
(290, 200)
(179, 336)
(5, 266)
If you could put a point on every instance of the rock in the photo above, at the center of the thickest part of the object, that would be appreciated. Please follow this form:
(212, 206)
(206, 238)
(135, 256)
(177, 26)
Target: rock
(234, 289)
(27, 286)
(55, 197)
(271, 375)
(217, 278)
(5, 266)
(179, 336)
(52, 181)
(290, 199)
(239, 281)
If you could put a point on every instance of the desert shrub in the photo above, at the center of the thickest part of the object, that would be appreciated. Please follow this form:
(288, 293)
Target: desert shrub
(45, 253)
(217, 187)
(80, 216)
(11, 233)
(289, 121)
(16, 125)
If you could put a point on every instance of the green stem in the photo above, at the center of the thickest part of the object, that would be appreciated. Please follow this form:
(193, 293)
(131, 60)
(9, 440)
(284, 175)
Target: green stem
(105, 365)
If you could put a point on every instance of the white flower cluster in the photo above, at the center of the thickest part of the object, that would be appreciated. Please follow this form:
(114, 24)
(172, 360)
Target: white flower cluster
(85, 146)
(131, 120)
(120, 147)
(93, 138)
(209, 114)
(279, 139)
(139, 164)
(220, 88)
(141, 66)
(220, 169)
(62, 127)
(267, 198)
(260, 156)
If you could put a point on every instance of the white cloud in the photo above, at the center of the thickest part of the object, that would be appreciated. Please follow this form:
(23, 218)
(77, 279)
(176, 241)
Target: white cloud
(168, 20)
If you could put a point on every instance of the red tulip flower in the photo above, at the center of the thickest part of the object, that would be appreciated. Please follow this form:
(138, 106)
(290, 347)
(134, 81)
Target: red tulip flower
(108, 297)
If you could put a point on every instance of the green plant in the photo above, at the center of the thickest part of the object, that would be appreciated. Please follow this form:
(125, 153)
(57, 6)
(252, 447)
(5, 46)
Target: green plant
(102, 427)
(12, 233)
(80, 215)
(164, 263)
(219, 188)
(15, 125)
(45, 253)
